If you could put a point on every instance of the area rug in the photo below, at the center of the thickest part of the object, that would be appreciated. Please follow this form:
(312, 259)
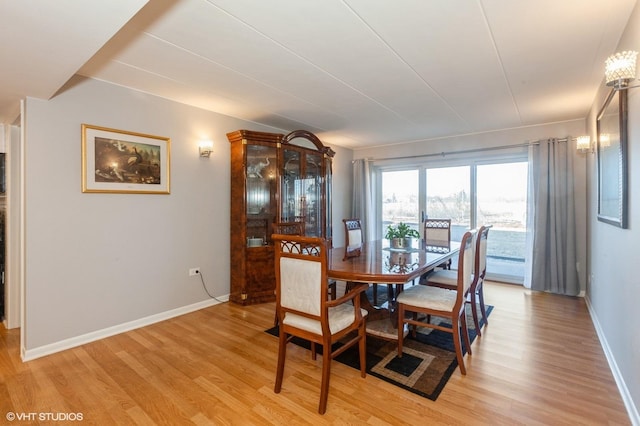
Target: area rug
(427, 362)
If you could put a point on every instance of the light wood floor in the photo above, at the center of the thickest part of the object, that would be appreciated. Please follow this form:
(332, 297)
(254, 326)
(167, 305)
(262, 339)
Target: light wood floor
(538, 362)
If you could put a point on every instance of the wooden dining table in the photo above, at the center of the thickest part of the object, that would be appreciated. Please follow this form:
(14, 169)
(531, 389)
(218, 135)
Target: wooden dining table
(376, 263)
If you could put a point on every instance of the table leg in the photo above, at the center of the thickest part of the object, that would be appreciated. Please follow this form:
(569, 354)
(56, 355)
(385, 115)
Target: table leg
(383, 321)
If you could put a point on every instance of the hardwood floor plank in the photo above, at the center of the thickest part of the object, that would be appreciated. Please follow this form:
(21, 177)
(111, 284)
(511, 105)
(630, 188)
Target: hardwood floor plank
(538, 362)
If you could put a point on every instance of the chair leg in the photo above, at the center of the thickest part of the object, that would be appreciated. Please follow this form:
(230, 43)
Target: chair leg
(414, 328)
(326, 374)
(348, 286)
(474, 311)
(363, 350)
(482, 308)
(400, 308)
(332, 290)
(313, 351)
(375, 294)
(282, 353)
(457, 343)
(465, 332)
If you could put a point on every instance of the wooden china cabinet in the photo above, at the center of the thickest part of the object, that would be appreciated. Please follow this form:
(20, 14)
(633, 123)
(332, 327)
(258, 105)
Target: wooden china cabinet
(274, 178)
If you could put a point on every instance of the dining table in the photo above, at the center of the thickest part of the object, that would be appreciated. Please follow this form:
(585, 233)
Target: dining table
(375, 262)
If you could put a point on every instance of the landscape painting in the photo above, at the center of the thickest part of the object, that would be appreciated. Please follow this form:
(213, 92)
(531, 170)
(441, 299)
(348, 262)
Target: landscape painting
(119, 161)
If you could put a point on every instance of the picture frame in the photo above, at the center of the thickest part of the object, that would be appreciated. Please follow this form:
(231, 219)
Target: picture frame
(118, 161)
(612, 160)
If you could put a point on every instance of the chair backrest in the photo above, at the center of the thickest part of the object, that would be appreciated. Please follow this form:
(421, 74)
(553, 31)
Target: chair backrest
(353, 236)
(465, 264)
(353, 232)
(301, 274)
(288, 228)
(437, 232)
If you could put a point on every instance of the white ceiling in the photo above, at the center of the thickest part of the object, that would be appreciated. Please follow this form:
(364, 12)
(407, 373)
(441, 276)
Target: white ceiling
(356, 72)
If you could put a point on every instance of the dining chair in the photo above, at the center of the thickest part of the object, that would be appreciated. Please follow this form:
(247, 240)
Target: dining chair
(447, 278)
(297, 228)
(437, 235)
(287, 228)
(441, 302)
(304, 311)
(353, 236)
(353, 244)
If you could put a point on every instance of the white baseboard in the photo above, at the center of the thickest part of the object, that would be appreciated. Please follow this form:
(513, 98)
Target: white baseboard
(632, 410)
(31, 354)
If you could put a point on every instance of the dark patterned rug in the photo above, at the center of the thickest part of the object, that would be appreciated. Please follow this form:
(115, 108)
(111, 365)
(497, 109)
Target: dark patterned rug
(427, 362)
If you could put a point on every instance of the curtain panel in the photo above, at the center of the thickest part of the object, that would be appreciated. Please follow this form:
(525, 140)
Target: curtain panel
(551, 265)
(362, 207)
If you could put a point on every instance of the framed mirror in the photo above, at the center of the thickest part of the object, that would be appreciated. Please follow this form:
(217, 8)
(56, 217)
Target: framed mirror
(612, 160)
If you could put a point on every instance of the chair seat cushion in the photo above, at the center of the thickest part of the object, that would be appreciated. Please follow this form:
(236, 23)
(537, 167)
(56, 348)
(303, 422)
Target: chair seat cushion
(444, 277)
(340, 317)
(421, 296)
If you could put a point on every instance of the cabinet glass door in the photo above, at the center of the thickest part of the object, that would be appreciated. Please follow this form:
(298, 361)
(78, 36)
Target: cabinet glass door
(313, 195)
(260, 193)
(291, 187)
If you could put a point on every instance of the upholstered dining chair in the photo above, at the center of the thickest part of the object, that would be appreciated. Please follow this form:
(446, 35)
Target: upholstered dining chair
(304, 311)
(288, 228)
(441, 302)
(297, 228)
(353, 236)
(353, 244)
(447, 278)
(437, 235)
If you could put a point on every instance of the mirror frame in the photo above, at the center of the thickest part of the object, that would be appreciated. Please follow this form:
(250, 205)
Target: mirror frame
(612, 160)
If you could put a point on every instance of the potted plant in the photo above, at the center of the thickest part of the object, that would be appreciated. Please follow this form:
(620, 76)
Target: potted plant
(400, 235)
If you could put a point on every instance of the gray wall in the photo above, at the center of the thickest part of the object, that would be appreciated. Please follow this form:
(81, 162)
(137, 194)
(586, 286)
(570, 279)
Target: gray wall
(96, 264)
(613, 291)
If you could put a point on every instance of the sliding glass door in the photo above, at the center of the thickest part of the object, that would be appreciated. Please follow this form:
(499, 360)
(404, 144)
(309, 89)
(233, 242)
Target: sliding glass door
(491, 192)
(502, 202)
(448, 193)
(400, 193)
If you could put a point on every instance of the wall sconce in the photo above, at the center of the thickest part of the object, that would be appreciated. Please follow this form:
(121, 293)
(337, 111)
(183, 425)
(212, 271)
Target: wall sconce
(620, 69)
(206, 148)
(583, 144)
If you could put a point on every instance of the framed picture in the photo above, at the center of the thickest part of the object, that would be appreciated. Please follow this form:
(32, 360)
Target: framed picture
(612, 160)
(124, 162)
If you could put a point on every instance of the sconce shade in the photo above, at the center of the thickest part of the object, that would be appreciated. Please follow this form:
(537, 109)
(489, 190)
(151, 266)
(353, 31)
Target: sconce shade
(583, 143)
(620, 69)
(206, 147)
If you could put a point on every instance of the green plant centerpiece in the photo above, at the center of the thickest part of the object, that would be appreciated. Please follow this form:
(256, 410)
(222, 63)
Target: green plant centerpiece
(400, 236)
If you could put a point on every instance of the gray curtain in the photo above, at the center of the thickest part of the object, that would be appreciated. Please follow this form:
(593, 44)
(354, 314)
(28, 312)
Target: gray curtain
(362, 207)
(552, 219)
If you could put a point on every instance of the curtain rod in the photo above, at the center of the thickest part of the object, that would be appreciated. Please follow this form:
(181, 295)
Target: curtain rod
(466, 151)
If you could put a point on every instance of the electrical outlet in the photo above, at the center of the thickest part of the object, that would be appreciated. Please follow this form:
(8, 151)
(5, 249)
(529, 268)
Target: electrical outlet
(194, 271)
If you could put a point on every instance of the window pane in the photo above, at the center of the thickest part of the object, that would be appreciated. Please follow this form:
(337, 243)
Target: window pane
(400, 198)
(502, 202)
(448, 197)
